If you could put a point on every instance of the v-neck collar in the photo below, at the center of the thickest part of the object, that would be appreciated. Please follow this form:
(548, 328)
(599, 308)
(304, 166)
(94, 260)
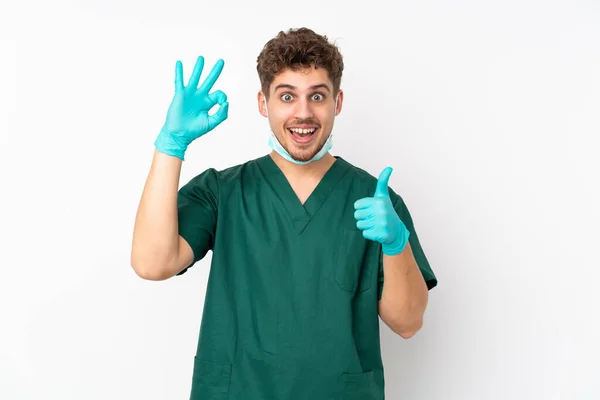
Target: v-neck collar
(301, 214)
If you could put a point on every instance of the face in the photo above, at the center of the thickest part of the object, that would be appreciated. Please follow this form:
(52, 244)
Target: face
(301, 110)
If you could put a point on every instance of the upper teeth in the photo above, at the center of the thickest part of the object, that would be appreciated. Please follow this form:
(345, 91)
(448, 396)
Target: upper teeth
(297, 130)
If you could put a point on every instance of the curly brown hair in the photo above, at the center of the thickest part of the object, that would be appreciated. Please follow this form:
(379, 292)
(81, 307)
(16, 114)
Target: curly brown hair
(298, 49)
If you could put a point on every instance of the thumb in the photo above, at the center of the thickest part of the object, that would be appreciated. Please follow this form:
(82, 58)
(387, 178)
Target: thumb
(382, 183)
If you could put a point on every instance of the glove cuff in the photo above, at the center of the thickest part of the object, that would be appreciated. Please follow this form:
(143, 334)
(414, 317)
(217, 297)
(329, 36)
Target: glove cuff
(396, 246)
(168, 144)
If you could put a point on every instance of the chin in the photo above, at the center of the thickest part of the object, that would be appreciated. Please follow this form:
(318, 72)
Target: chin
(303, 157)
(303, 149)
(304, 154)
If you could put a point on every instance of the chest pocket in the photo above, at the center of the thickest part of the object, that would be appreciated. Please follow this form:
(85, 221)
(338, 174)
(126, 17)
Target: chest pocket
(351, 272)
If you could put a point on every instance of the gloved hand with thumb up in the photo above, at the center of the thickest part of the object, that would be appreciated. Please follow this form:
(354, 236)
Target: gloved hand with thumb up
(378, 219)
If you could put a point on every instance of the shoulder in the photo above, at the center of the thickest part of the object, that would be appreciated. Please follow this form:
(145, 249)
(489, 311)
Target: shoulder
(359, 175)
(216, 179)
(368, 182)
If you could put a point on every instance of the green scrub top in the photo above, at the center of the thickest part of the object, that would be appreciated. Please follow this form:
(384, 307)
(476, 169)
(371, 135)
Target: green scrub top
(290, 311)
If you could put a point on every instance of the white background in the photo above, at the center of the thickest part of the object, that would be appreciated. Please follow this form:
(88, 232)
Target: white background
(487, 111)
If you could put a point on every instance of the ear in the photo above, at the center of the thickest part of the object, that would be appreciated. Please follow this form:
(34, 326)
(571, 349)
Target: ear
(339, 101)
(262, 107)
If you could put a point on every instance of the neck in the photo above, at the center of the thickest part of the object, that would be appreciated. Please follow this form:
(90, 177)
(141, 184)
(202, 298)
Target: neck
(312, 169)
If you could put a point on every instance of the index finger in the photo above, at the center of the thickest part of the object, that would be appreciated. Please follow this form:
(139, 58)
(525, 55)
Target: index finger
(212, 77)
(363, 203)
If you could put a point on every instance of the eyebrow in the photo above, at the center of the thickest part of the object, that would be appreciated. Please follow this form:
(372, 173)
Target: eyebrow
(314, 87)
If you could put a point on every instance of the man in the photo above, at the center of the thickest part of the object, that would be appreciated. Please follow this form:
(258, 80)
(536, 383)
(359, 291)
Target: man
(301, 240)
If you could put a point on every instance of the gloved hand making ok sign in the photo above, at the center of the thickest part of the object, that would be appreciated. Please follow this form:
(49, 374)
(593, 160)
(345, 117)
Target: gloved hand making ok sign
(378, 219)
(187, 117)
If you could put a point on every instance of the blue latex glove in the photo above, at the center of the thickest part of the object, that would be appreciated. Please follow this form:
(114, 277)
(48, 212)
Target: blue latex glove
(378, 220)
(187, 117)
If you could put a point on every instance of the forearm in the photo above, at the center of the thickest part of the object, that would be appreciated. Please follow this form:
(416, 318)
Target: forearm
(405, 293)
(155, 236)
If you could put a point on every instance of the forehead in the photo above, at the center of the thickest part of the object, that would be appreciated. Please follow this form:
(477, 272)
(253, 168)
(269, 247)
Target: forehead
(302, 79)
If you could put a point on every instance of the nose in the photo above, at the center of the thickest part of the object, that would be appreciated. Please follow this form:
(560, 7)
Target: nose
(303, 109)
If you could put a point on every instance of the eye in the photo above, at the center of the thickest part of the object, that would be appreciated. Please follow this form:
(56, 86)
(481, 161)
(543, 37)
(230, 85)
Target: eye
(318, 97)
(286, 97)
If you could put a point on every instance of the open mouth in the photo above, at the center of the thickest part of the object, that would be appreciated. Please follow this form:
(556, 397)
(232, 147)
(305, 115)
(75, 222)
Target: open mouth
(301, 135)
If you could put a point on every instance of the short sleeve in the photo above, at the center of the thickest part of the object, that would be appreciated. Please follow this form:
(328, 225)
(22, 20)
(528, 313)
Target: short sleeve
(415, 244)
(197, 206)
